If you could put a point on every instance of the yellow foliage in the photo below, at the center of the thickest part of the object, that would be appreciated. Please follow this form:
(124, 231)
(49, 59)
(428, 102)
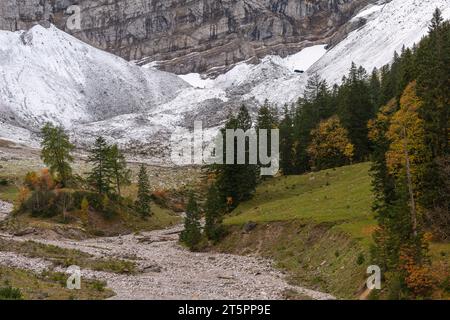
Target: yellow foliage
(85, 211)
(24, 192)
(406, 133)
(42, 181)
(330, 143)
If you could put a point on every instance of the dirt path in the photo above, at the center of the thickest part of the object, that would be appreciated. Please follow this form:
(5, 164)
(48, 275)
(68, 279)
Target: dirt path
(168, 271)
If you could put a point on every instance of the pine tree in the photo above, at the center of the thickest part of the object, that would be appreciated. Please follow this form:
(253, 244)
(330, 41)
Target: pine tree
(214, 211)
(101, 176)
(407, 70)
(56, 152)
(119, 168)
(267, 119)
(248, 174)
(433, 69)
(191, 235)
(387, 90)
(142, 203)
(237, 182)
(317, 104)
(436, 21)
(356, 109)
(375, 89)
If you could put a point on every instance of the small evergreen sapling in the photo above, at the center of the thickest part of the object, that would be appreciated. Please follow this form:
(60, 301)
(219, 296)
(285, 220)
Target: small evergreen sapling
(191, 235)
(142, 204)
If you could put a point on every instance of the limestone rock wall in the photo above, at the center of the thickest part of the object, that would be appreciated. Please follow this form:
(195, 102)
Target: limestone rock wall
(190, 35)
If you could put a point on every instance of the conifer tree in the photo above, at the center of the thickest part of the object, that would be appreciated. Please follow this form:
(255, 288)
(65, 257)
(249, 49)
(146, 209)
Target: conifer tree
(191, 235)
(436, 21)
(287, 143)
(387, 91)
(305, 119)
(248, 174)
(433, 69)
(237, 182)
(375, 89)
(214, 211)
(56, 152)
(142, 203)
(101, 176)
(356, 109)
(267, 119)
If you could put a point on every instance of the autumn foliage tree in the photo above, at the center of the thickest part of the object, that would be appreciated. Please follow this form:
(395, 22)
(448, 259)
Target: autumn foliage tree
(410, 138)
(42, 196)
(399, 133)
(330, 146)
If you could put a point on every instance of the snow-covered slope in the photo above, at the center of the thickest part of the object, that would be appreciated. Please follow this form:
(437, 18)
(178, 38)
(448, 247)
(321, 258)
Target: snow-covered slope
(389, 26)
(47, 75)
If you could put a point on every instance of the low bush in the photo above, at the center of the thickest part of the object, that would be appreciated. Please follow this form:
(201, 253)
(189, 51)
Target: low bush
(9, 293)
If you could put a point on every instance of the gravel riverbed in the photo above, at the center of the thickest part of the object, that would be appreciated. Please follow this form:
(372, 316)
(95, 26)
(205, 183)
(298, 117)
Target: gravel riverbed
(166, 270)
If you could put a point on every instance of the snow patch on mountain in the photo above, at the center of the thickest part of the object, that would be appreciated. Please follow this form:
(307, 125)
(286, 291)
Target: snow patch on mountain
(48, 75)
(244, 72)
(388, 28)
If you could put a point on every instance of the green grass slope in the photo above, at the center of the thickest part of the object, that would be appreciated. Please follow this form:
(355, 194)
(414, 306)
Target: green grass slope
(339, 196)
(318, 227)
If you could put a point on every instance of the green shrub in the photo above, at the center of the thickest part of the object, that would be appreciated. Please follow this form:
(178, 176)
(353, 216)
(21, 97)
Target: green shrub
(99, 285)
(41, 204)
(361, 259)
(446, 285)
(10, 293)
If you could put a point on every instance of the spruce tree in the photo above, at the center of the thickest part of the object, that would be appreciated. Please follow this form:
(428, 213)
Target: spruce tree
(237, 182)
(287, 143)
(101, 176)
(191, 235)
(247, 174)
(214, 211)
(267, 119)
(433, 69)
(375, 90)
(142, 203)
(436, 21)
(318, 103)
(355, 110)
(56, 152)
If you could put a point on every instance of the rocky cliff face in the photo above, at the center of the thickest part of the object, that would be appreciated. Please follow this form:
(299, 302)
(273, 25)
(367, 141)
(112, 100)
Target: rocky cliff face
(189, 35)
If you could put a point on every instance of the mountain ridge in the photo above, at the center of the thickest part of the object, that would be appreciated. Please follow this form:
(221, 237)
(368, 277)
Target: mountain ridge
(48, 75)
(190, 36)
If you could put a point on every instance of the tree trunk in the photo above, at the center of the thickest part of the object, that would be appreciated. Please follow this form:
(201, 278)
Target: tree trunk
(410, 186)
